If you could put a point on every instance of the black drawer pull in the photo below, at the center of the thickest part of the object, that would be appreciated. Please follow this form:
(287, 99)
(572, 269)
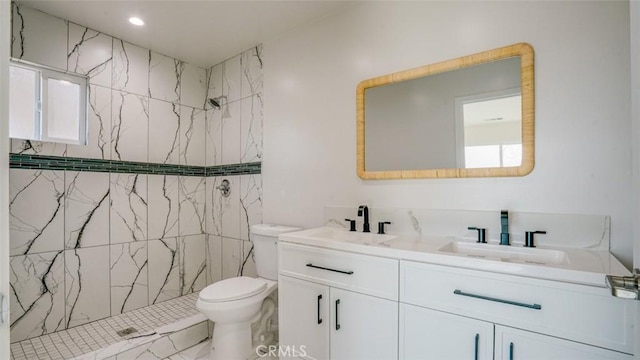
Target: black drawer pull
(319, 319)
(329, 269)
(337, 316)
(477, 345)
(509, 302)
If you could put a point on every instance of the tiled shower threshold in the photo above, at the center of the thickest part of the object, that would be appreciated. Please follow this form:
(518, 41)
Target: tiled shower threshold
(162, 330)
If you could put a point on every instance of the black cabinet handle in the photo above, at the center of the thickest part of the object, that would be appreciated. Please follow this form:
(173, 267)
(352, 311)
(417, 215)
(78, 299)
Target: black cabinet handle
(510, 351)
(337, 318)
(509, 302)
(329, 269)
(319, 319)
(477, 343)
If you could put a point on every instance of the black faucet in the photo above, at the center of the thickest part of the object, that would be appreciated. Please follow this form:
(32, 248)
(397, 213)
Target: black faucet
(504, 222)
(363, 211)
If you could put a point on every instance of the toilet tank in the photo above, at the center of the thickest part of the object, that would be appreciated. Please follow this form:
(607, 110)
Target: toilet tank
(265, 249)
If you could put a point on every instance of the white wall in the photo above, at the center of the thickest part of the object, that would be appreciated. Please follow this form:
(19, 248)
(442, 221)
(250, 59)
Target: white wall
(583, 149)
(5, 37)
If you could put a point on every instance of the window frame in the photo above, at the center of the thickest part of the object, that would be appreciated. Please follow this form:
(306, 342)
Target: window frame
(41, 121)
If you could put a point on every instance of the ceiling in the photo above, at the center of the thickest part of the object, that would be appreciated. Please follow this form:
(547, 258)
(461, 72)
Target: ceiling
(202, 33)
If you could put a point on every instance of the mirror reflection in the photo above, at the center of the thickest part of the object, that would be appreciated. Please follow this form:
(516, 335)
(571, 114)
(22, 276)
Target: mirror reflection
(463, 117)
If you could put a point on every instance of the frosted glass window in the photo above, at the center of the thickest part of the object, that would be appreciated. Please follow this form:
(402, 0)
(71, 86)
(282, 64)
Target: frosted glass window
(492, 156)
(62, 110)
(512, 155)
(47, 105)
(23, 97)
(482, 156)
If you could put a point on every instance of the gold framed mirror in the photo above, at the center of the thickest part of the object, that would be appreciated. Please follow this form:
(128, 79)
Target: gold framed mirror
(472, 116)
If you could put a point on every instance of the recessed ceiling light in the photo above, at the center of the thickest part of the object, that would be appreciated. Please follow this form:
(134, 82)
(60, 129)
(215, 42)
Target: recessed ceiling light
(136, 21)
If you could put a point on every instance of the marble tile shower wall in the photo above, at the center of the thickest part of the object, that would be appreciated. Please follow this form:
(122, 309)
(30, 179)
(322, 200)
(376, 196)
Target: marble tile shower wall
(88, 245)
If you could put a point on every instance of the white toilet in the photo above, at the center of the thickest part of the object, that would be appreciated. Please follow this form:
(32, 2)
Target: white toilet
(234, 304)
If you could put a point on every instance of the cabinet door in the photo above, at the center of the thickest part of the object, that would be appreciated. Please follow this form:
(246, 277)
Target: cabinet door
(363, 327)
(514, 344)
(304, 319)
(431, 334)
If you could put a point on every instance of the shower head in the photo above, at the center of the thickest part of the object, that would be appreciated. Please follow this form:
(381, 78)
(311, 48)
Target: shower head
(215, 102)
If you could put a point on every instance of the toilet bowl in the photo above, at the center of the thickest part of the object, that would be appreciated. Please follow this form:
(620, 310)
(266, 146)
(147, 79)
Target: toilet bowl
(234, 304)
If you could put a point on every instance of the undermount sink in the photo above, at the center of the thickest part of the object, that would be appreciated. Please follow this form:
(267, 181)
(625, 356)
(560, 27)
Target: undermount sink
(507, 253)
(348, 236)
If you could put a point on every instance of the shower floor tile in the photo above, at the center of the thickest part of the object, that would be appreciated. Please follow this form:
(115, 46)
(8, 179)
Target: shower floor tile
(97, 335)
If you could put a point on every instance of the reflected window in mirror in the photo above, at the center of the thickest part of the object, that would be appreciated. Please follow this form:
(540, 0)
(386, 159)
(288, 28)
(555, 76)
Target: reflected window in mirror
(466, 117)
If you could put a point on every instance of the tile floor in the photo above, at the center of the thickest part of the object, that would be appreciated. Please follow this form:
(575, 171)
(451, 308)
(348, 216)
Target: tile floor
(99, 334)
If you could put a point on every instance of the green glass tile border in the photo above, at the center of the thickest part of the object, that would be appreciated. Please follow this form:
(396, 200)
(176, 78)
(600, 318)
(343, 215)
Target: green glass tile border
(26, 161)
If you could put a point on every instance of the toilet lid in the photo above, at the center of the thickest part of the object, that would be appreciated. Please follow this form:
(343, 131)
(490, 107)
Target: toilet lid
(232, 289)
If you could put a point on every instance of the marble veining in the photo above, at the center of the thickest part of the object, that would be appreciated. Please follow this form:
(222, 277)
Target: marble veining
(87, 290)
(37, 294)
(164, 132)
(129, 127)
(36, 228)
(17, 33)
(192, 139)
(193, 86)
(128, 208)
(33, 147)
(231, 129)
(38, 37)
(99, 127)
(164, 270)
(164, 77)
(250, 204)
(130, 68)
(214, 81)
(163, 206)
(252, 76)
(86, 209)
(192, 205)
(230, 209)
(213, 137)
(129, 277)
(251, 129)
(193, 263)
(90, 53)
(232, 79)
(213, 206)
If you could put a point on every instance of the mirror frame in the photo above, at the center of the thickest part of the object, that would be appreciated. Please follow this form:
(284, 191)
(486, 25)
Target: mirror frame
(524, 50)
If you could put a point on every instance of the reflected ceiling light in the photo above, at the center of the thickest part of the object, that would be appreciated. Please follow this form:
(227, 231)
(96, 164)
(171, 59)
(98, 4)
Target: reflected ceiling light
(136, 21)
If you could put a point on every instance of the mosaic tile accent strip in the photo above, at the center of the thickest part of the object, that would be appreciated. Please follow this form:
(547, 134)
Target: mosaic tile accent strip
(235, 169)
(97, 335)
(28, 161)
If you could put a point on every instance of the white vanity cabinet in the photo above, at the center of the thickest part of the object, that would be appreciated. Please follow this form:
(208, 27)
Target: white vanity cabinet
(337, 305)
(515, 344)
(571, 316)
(431, 334)
(304, 317)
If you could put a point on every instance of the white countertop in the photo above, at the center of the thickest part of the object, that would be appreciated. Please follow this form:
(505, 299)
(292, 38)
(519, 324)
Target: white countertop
(584, 266)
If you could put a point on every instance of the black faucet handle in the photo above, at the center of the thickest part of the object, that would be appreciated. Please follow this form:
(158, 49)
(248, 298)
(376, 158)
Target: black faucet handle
(381, 226)
(352, 224)
(529, 238)
(482, 234)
